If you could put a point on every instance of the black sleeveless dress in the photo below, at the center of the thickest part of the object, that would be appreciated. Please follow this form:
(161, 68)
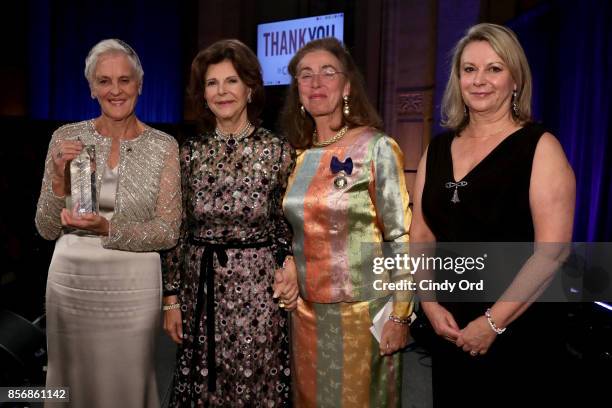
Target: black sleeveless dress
(490, 204)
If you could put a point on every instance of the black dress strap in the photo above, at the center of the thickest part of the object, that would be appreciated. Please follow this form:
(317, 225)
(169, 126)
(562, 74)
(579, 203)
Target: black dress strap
(207, 277)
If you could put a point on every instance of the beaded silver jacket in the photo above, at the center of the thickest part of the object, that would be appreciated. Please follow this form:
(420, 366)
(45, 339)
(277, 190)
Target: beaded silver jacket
(147, 212)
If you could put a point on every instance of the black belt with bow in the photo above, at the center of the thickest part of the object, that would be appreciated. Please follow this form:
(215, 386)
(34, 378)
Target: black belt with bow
(207, 276)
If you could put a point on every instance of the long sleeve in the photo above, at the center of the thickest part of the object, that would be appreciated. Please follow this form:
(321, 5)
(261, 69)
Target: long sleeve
(49, 205)
(161, 231)
(393, 211)
(281, 234)
(172, 259)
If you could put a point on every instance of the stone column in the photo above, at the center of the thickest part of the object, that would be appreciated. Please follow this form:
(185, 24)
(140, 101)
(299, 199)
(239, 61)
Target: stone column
(409, 51)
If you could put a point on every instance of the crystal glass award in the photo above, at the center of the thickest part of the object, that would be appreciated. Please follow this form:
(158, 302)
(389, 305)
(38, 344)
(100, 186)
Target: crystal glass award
(83, 182)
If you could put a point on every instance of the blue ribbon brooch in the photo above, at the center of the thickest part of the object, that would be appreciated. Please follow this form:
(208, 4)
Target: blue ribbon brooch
(343, 169)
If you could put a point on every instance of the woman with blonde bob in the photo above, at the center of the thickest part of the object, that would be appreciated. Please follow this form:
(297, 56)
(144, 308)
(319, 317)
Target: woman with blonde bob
(504, 43)
(495, 176)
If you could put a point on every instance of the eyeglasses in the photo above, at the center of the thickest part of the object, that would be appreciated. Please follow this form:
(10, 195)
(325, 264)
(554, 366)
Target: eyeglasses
(326, 76)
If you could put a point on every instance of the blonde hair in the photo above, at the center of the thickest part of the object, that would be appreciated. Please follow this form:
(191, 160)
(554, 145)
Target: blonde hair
(506, 45)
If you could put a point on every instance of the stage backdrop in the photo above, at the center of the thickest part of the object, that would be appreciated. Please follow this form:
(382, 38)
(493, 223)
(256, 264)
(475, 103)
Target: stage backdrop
(61, 34)
(569, 47)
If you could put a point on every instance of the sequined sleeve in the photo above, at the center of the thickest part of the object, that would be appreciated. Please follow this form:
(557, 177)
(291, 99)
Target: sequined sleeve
(281, 235)
(393, 211)
(49, 205)
(172, 259)
(160, 232)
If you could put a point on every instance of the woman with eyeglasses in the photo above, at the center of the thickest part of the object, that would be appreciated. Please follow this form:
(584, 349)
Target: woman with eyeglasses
(345, 199)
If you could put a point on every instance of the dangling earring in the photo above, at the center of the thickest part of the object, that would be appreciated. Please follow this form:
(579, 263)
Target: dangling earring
(302, 111)
(515, 108)
(345, 109)
(249, 98)
(465, 111)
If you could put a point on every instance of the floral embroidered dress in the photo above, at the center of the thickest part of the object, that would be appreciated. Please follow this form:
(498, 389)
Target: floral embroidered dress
(233, 237)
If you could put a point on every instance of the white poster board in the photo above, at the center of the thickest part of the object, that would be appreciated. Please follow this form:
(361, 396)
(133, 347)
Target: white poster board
(277, 42)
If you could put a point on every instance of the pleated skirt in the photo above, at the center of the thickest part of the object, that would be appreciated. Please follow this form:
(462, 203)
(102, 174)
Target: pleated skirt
(103, 316)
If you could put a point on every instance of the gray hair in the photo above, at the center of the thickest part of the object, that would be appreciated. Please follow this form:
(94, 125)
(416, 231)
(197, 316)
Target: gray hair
(110, 46)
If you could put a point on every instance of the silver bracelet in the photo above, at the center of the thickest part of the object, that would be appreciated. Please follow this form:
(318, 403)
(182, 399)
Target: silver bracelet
(171, 306)
(406, 320)
(492, 323)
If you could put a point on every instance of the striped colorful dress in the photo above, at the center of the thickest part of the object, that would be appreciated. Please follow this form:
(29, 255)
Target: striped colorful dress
(341, 215)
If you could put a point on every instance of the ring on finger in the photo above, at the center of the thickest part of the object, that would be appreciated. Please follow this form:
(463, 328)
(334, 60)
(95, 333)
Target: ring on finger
(473, 353)
(281, 304)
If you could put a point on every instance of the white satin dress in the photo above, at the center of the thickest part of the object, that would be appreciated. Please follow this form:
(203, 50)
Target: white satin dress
(103, 314)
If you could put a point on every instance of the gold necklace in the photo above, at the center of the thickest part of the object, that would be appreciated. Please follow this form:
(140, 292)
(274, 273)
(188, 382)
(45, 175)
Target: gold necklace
(327, 142)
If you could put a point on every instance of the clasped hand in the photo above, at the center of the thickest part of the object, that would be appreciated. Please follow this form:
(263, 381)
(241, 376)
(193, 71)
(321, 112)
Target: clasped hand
(475, 338)
(285, 285)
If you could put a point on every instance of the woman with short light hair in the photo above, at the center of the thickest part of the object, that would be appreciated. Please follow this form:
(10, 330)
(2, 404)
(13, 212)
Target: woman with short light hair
(103, 297)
